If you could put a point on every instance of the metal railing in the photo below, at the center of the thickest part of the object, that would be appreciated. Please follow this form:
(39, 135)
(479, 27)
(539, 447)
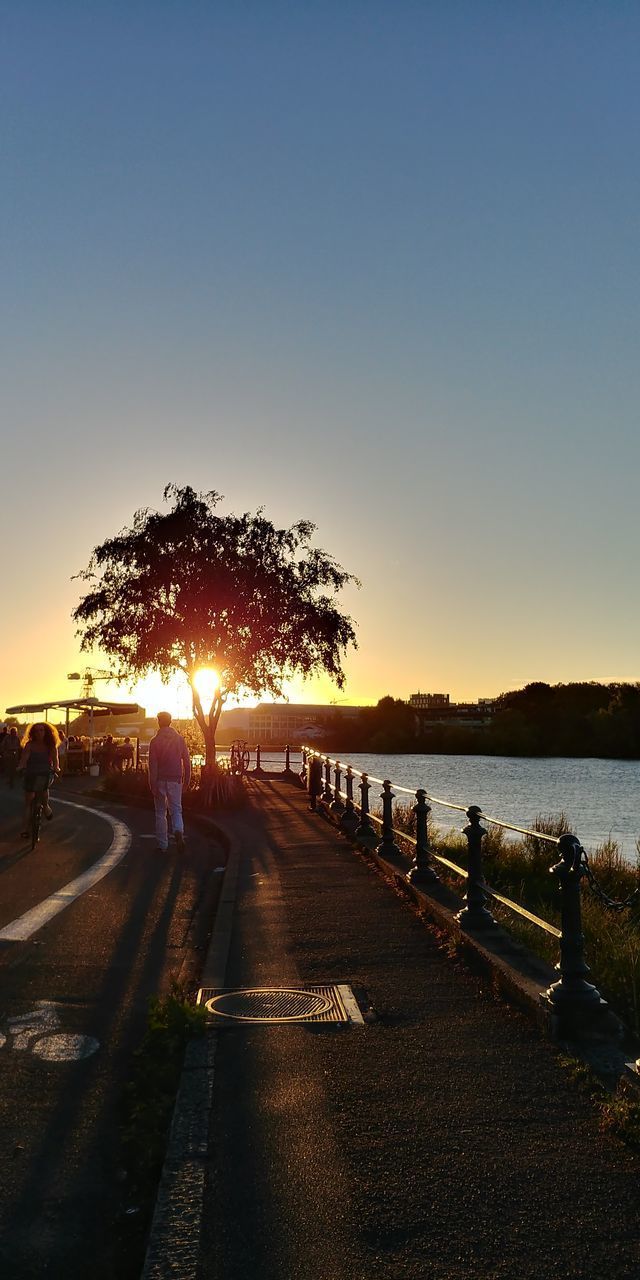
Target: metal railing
(572, 996)
(260, 759)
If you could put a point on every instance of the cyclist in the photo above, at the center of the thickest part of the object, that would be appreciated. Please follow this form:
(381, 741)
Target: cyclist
(39, 761)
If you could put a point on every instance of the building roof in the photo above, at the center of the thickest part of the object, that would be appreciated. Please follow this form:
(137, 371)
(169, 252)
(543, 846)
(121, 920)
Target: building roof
(99, 706)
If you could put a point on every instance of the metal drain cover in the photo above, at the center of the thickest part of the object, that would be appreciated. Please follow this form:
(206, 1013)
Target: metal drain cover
(283, 1004)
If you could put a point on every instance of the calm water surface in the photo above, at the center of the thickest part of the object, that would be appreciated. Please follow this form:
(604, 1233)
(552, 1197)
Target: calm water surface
(601, 798)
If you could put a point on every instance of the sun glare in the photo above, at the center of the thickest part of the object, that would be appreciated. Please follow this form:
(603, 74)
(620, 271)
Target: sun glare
(154, 696)
(207, 681)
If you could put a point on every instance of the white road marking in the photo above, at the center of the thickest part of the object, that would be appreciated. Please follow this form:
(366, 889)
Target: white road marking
(22, 928)
(28, 1026)
(65, 1048)
(38, 1031)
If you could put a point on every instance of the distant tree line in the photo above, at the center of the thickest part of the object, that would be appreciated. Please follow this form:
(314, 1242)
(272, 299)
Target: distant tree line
(578, 719)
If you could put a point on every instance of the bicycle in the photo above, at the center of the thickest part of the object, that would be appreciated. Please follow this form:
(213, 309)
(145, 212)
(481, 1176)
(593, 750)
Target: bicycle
(239, 757)
(37, 807)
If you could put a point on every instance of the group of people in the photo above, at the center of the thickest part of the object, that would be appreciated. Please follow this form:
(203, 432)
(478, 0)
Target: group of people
(37, 755)
(74, 753)
(110, 755)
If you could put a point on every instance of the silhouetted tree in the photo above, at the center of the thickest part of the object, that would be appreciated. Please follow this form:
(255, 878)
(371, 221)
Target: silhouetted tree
(189, 589)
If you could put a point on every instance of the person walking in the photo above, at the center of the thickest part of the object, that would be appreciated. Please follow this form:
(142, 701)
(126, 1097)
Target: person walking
(169, 771)
(11, 749)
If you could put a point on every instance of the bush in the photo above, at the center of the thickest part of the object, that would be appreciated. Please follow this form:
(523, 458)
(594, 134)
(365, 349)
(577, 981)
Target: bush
(129, 787)
(220, 790)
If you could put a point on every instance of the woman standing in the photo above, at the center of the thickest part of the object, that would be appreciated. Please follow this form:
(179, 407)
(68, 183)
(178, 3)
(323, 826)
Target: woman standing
(39, 760)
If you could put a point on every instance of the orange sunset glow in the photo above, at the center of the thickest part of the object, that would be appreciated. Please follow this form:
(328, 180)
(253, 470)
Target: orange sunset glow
(207, 682)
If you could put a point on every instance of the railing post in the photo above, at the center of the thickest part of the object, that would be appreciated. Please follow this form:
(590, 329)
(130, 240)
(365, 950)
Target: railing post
(336, 805)
(422, 871)
(327, 794)
(287, 759)
(387, 847)
(349, 819)
(364, 832)
(314, 778)
(572, 994)
(258, 768)
(475, 915)
(303, 766)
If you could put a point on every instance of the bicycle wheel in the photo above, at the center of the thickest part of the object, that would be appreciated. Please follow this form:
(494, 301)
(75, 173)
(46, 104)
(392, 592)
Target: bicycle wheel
(36, 819)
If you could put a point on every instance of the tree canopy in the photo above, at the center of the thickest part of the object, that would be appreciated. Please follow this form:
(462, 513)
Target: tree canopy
(189, 589)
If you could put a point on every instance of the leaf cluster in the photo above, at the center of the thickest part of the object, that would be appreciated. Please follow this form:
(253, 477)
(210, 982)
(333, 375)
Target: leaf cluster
(192, 588)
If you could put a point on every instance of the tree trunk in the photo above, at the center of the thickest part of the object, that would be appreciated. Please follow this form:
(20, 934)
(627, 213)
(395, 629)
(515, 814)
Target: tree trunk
(208, 725)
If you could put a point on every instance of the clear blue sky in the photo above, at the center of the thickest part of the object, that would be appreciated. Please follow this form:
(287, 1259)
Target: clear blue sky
(374, 264)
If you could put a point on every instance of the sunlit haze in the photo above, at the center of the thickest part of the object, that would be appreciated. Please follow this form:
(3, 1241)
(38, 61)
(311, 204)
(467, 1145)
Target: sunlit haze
(372, 265)
(207, 682)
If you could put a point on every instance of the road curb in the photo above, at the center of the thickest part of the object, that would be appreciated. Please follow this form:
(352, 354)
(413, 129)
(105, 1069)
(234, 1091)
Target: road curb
(174, 1239)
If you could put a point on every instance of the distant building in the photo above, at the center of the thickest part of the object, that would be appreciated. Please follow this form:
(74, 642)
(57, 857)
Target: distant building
(420, 700)
(437, 709)
(281, 722)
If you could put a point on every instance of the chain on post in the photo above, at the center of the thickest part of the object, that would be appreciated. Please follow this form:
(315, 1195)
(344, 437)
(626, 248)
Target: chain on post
(612, 904)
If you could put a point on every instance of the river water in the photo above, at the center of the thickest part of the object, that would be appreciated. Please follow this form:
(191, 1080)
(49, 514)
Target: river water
(600, 798)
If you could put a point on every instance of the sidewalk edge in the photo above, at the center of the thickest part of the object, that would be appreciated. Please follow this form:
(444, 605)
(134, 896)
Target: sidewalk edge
(174, 1239)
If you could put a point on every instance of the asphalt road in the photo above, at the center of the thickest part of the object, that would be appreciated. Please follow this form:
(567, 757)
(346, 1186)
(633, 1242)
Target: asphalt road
(79, 986)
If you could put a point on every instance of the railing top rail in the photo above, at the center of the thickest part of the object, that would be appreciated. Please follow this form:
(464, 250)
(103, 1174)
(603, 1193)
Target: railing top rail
(445, 804)
(516, 907)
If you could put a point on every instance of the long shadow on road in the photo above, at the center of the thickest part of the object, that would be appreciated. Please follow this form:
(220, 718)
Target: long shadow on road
(71, 1171)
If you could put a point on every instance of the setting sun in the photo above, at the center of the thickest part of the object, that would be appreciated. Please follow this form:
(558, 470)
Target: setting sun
(207, 681)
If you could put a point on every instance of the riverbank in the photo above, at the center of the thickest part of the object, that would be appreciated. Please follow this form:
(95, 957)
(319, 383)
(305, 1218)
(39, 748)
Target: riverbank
(599, 798)
(520, 869)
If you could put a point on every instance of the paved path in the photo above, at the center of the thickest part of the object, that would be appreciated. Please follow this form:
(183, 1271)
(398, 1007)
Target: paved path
(441, 1141)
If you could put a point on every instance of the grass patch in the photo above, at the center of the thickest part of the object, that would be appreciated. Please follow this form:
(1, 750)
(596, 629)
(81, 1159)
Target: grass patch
(147, 1109)
(619, 1115)
(520, 869)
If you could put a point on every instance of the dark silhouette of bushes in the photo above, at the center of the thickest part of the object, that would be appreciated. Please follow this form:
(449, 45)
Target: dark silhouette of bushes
(577, 719)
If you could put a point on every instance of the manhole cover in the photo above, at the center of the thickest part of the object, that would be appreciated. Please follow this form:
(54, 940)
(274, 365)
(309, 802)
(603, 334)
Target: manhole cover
(334, 1002)
(266, 1004)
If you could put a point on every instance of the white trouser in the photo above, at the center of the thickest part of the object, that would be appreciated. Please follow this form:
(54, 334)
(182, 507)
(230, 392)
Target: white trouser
(167, 795)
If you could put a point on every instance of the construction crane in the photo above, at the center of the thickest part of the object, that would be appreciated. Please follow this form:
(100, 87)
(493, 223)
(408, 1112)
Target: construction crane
(89, 677)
